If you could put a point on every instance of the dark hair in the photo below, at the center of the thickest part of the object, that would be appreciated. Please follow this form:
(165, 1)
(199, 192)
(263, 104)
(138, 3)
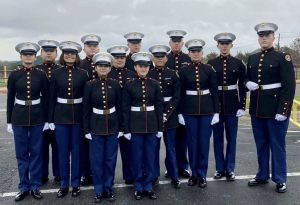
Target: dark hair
(62, 61)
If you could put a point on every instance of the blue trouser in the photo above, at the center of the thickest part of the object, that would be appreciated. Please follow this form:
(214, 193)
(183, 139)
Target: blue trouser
(49, 139)
(181, 148)
(85, 165)
(170, 161)
(69, 138)
(29, 154)
(198, 131)
(269, 134)
(230, 124)
(143, 160)
(156, 160)
(125, 151)
(103, 156)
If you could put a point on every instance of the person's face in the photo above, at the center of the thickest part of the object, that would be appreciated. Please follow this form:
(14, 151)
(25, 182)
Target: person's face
(266, 41)
(176, 46)
(69, 57)
(49, 56)
(196, 56)
(134, 47)
(103, 70)
(160, 62)
(142, 70)
(119, 61)
(28, 59)
(91, 50)
(225, 47)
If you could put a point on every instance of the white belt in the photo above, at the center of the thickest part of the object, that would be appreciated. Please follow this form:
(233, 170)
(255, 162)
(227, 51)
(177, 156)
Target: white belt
(140, 109)
(27, 102)
(166, 99)
(270, 86)
(69, 101)
(104, 112)
(197, 92)
(227, 87)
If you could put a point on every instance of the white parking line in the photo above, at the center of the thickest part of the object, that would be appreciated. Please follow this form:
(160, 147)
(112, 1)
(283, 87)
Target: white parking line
(49, 191)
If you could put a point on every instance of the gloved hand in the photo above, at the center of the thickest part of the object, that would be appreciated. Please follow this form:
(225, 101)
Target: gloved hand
(280, 117)
(9, 128)
(165, 117)
(240, 113)
(127, 136)
(88, 136)
(46, 126)
(181, 119)
(120, 134)
(252, 85)
(215, 119)
(159, 134)
(51, 126)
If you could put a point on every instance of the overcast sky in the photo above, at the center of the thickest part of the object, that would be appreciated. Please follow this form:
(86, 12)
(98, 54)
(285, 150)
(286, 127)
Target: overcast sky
(33, 20)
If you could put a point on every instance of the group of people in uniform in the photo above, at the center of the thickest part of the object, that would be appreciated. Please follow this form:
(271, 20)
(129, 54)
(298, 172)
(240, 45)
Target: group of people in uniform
(86, 109)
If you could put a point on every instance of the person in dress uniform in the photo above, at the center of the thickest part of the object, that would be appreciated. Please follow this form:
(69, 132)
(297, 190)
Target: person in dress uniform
(27, 89)
(177, 59)
(91, 47)
(49, 54)
(199, 109)
(65, 115)
(170, 88)
(120, 73)
(231, 73)
(143, 123)
(101, 122)
(271, 82)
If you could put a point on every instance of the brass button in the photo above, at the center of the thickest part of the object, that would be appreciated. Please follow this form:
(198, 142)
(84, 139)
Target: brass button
(69, 93)
(260, 65)
(102, 88)
(28, 96)
(69, 79)
(69, 88)
(28, 87)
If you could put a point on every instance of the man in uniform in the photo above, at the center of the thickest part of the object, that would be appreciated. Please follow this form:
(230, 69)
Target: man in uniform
(49, 54)
(231, 73)
(177, 59)
(91, 47)
(271, 81)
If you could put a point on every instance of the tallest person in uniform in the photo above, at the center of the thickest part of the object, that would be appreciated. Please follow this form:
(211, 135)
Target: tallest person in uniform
(271, 81)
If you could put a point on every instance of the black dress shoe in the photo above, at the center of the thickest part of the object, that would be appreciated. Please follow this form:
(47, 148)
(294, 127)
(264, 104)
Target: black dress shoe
(184, 173)
(230, 176)
(62, 192)
(98, 198)
(256, 182)
(129, 182)
(176, 184)
(151, 194)
(166, 174)
(86, 180)
(219, 175)
(57, 180)
(36, 194)
(281, 187)
(192, 181)
(21, 195)
(138, 195)
(109, 196)
(202, 183)
(75, 191)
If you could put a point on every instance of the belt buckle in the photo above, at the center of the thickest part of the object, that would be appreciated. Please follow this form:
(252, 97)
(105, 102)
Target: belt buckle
(199, 92)
(261, 87)
(70, 101)
(106, 112)
(143, 108)
(225, 87)
(28, 102)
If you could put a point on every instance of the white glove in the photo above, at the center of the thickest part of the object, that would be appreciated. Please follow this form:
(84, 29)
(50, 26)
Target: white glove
(181, 119)
(120, 134)
(46, 126)
(279, 117)
(51, 126)
(165, 117)
(9, 128)
(127, 136)
(88, 136)
(215, 119)
(252, 85)
(240, 113)
(159, 134)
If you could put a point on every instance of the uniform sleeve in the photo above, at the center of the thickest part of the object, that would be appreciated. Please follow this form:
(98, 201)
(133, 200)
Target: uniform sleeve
(119, 106)
(172, 106)
(182, 92)
(11, 93)
(126, 103)
(45, 93)
(52, 98)
(288, 85)
(242, 86)
(87, 108)
(159, 107)
(248, 73)
(214, 89)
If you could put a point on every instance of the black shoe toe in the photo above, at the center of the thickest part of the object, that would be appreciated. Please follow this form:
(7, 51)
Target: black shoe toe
(75, 191)
(21, 195)
(36, 194)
